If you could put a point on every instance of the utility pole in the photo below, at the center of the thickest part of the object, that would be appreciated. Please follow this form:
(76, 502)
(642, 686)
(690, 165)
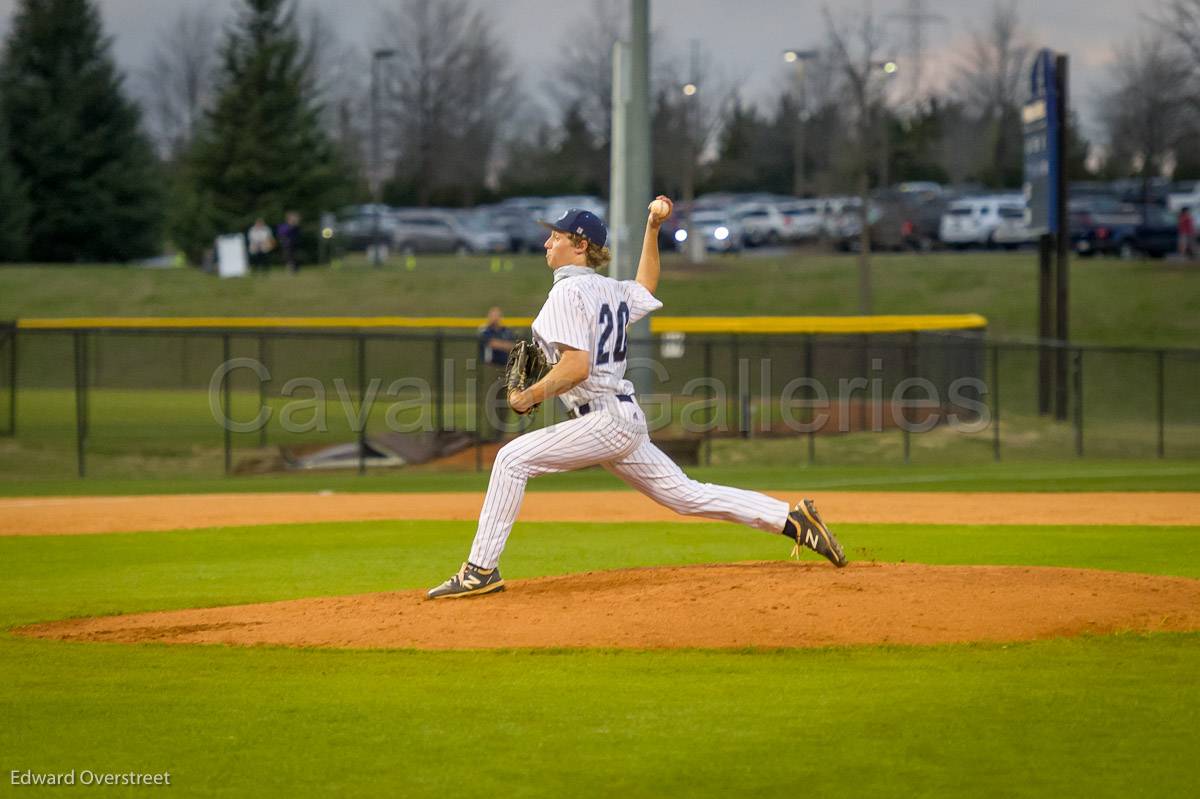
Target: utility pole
(917, 17)
(637, 175)
(376, 249)
(691, 124)
(799, 148)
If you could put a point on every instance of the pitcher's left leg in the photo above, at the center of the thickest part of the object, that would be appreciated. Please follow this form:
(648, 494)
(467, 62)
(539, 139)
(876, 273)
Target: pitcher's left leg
(650, 471)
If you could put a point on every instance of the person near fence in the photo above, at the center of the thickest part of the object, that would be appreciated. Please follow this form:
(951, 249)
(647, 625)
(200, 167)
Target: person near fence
(259, 244)
(289, 240)
(495, 343)
(1187, 234)
(582, 331)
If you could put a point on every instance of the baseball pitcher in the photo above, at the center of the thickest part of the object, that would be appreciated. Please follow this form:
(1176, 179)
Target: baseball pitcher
(579, 336)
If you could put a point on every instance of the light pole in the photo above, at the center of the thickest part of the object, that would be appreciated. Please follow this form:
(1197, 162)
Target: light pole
(376, 156)
(799, 57)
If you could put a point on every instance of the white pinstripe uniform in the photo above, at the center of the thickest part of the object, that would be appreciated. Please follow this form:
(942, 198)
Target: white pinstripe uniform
(590, 312)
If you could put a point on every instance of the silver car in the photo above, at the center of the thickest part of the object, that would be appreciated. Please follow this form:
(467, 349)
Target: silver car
(427, 232)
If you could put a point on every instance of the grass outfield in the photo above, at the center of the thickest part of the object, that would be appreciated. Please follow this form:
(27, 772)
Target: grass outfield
(1109, 716)
(1154, 303)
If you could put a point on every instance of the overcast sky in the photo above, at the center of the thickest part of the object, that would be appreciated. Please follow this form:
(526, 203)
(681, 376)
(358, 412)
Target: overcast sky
(745, 37)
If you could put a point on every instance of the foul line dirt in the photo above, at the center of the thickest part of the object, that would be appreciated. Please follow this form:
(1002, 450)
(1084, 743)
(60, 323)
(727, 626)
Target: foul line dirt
(80, 515)
(776, 604)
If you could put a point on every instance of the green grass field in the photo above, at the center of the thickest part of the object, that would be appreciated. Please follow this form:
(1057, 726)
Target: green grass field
(1089, 717)
(1151, 303)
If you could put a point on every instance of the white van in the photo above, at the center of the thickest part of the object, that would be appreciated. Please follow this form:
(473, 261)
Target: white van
(974, 220)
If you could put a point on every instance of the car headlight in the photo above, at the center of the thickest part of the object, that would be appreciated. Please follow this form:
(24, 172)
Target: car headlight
(681, 235)
(721, 233)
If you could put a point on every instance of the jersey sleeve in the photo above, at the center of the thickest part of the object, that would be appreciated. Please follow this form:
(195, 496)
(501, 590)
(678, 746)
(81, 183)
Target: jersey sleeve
(564, 320)
(641, 301)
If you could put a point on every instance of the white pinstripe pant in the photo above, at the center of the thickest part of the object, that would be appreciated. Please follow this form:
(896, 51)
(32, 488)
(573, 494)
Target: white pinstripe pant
(615, 437)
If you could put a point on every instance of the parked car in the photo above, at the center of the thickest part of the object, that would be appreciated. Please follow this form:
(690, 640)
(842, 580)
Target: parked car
(801, 220)
(519, 226)
(1184, 195)
(476, 230)
(1012, 232)
(357, 226)
(886, 221)
(1099, 224)
(1156, 235)
(841, 218)
(760, 223)
(720, 232)
(427, 232)
(907, 219)
(973, 220)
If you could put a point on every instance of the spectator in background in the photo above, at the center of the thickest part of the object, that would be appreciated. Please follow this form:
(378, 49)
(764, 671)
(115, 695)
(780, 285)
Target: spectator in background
(259, 243)
(1187, 234)
(288, 234)
(495, 343)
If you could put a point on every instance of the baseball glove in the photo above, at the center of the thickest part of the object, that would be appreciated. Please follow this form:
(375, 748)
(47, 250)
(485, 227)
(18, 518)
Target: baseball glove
(526, 366)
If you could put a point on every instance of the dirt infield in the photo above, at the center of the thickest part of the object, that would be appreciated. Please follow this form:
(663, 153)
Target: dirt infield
(79, 515)
(772, 604)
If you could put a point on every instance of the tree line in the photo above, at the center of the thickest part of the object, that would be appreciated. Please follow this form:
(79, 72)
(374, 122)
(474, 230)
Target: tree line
(269, 111)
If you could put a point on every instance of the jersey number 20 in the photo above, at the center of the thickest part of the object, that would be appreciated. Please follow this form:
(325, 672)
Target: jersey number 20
(619, 345)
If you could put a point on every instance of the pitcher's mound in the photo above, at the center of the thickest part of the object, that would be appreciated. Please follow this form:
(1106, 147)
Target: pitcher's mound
(775, 604)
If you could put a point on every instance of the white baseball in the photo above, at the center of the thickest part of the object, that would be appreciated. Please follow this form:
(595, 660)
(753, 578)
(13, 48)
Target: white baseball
(660, 208)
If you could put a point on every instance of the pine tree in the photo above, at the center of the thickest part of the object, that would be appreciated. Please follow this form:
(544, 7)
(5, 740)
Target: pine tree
(75, 139)
(261, 151)
(14, 207)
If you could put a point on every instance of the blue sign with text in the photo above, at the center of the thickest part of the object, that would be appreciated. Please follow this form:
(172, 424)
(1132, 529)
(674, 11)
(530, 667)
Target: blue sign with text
(1040, 120)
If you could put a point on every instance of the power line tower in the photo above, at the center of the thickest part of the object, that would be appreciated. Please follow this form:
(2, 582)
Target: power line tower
(917, 17)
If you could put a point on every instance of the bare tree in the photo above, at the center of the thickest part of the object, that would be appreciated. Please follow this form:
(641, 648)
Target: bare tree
(338, 75)
(1146, 112)
(691, 103)
(178, 80)
(583, 75)
(451, 88)
(857, 43)
(1179, 23)
(990, 83)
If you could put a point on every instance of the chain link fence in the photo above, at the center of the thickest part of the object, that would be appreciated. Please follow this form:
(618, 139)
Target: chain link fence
(118, 402)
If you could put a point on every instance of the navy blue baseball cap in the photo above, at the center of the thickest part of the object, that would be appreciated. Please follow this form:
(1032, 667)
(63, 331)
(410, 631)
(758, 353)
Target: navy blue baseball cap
(582, 223)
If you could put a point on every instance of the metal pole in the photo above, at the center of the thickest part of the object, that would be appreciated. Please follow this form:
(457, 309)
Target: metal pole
(481, 391)
(262, 390)
(905, 423)
(361, 346)
(996, 402)
(439, 381)
(708, 370)
(227, 399)
(639, 175)
(734, 365)
(1045, 322)
(12, 384)
(696, 247)
(1079, 402)
(80, 405)
(1063, 293)
(375, 158)
(808, 416)
(1162, 405)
